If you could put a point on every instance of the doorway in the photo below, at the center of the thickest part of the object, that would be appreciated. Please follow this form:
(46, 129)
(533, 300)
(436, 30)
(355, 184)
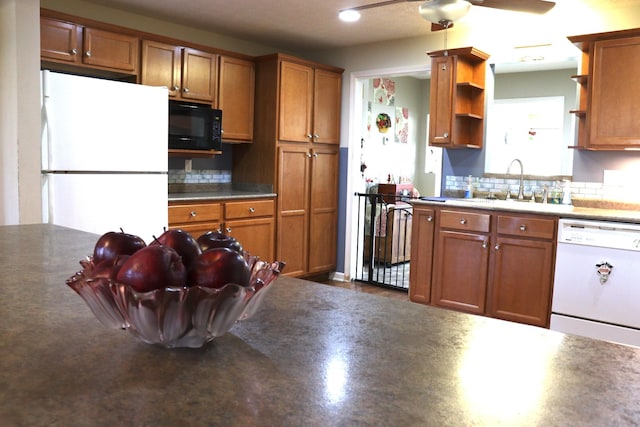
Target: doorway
(424, 164)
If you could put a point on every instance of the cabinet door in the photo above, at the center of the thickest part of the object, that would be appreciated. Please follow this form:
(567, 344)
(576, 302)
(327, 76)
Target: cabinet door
(235, 98)
(323, 209)
(296, 102)
(615, 93)
(110, 50)
(326, 107)
(60, 40)
(520, 288)
(294, 174)
(441, 100)
(461, 267)
(255, 235)
(421, 255)
(199, 75)
(161, 65)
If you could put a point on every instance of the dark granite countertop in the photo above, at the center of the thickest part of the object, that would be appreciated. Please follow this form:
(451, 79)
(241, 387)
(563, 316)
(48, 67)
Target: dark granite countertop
(563, 211)
(313, 355)
(217, 195)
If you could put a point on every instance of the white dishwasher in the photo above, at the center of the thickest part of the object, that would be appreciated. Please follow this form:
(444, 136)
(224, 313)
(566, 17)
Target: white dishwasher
(597, 281)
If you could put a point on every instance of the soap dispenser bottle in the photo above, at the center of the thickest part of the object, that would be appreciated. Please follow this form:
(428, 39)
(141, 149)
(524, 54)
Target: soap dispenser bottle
(468, 189)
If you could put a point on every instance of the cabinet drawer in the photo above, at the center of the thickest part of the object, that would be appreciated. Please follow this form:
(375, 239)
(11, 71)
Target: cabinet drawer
(179, 214)
(542, 228)
(248, 209)
(462, 220)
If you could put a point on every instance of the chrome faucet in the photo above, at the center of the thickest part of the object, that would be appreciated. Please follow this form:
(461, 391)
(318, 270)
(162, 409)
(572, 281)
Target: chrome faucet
(521, 186)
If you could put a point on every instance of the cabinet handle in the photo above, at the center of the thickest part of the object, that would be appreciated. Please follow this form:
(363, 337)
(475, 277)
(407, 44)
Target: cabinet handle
(497, 246)
(463, 221)
(523, 227)
(309, 154)
(484, 245)
(74, 51)
(193, 214)
(429, 218)
(185, 90)
(228, 230)
(252, 210)
(316, 136)
(88, 54)
(309, 135)
(315, 155)
(176, 87)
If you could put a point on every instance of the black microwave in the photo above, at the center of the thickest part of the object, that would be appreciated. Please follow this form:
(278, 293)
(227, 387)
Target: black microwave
(194, 126)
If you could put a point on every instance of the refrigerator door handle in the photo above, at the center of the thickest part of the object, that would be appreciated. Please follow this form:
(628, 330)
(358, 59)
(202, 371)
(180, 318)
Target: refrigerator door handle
(46, 120)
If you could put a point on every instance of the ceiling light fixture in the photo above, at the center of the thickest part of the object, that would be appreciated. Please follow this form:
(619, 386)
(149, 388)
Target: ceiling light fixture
(349, 15)
(444, 12)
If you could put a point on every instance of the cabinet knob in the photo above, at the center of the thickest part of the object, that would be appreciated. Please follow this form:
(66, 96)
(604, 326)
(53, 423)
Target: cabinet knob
(88, 54)
(309, 136)
(193, 214)
(315, 155)
(316, 136)
(463, 221)
(252, 210)
(443, 67)
(228, 229)
(523, 227)
(430, 218)
(309, 154)
(484, 245)
(497, 246)
(74, 51)
(176, 87)
(185, 90)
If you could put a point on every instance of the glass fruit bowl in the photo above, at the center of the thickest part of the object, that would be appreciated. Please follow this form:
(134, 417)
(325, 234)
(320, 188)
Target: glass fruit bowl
(175, 317)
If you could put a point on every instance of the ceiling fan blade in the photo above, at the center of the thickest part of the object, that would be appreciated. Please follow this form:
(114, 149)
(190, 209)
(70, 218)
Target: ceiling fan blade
(531, 6)
(379, 4)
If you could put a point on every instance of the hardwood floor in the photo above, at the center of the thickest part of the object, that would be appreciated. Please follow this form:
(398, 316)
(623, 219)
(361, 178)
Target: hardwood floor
(362, 287)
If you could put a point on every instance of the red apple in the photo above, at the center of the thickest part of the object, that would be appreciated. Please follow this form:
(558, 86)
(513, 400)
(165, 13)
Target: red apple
(153, 267)
(112, 244)
(217, 267)
(217, 239)
(182, 242)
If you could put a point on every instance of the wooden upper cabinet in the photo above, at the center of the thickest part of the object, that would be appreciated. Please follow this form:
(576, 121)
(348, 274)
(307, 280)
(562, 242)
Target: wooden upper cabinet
(296, 102)
(189, 74)
(236, 90)
(110, 50)
(162, 66)
(309, 104)
(457, 98)
(326, 107)
(615, 93)
(67, 42)
(60, 41)
(199, 75)
(608, 97)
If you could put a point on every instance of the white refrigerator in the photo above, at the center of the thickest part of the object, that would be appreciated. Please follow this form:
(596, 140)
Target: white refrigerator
(104, 155)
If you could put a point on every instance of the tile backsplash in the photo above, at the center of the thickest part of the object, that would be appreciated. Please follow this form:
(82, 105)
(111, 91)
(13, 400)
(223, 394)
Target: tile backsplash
(203, 176)
(618, 190)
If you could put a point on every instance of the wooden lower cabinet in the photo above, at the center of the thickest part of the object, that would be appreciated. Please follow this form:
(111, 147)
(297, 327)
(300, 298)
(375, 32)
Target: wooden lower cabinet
(522, 278)
(490, 263)
(307, 208)
(195, 218)
(251, 222)
(422, 230)
(461, 261)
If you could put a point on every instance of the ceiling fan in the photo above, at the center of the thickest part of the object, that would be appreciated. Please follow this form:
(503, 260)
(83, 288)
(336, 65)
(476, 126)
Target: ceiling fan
(443, 13)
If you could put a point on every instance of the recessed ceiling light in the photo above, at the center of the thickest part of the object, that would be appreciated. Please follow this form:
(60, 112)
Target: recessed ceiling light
(349, 15)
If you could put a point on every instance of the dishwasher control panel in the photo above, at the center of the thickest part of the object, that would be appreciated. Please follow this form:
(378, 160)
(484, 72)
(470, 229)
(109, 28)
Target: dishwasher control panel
(617, 235)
